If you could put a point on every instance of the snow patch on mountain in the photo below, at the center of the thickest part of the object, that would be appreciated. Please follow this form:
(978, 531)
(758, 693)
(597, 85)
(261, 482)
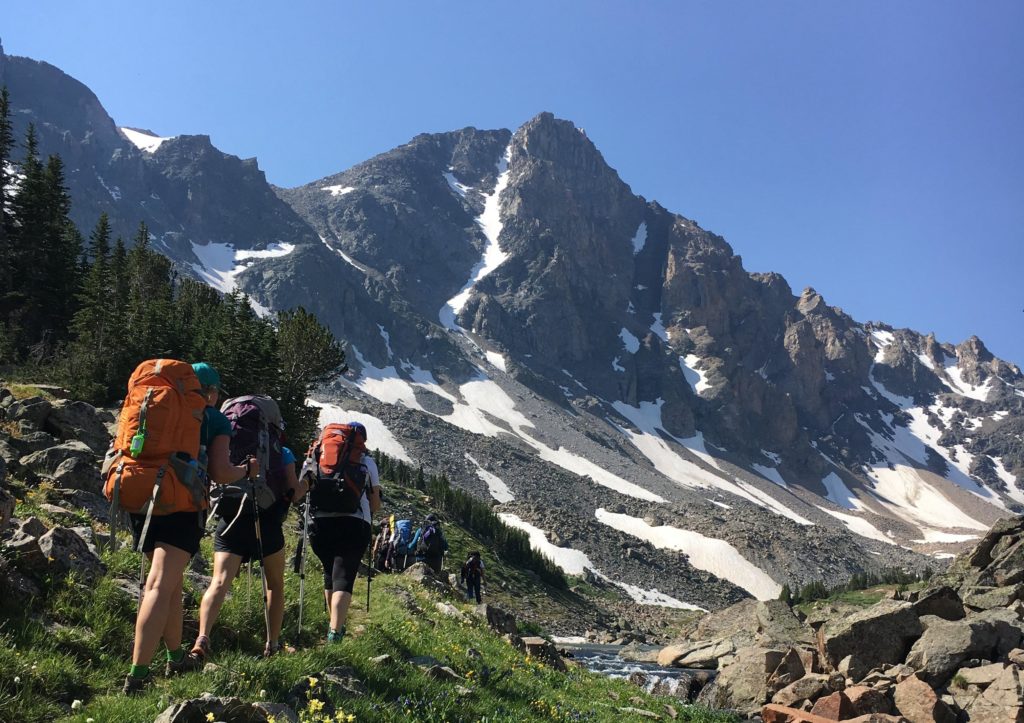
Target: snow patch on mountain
(460, 189)
(378, 436)
(659, 328)
(697, 379)
(653, 597)
(931, 536)
(220, 264)
(712, 555)
(616, 367)
(771, 474)
(144, 141)
(348, 259)
(490, 224)
(572, 562)
(338, 190)
(495, 485)
(960, 385)
(629, 341)
(496, 360)
(838, 493)
(859, 526)
(640, 238)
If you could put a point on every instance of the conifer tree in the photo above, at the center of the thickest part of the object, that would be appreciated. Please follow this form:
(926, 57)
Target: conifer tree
(309, 356)
(92, 362)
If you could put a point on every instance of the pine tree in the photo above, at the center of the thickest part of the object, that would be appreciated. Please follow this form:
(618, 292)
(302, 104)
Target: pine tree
(93, 363)
(309, 356)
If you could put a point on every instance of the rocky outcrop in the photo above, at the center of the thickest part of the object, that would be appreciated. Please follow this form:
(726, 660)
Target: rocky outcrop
(879, 635)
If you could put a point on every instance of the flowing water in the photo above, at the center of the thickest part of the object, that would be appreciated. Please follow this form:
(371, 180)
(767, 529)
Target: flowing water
(605, 659)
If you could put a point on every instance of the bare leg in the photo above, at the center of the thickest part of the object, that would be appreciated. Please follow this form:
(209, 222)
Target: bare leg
(175, 620)
(164, 580)
(340, 602)
(225, 567)
(273, 567)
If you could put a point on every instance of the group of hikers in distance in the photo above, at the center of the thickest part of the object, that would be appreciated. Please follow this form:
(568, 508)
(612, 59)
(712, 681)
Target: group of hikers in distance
(179, 460)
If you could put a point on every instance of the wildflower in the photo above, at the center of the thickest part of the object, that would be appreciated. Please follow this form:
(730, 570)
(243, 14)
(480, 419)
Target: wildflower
(316, 705)
(17, 679)
(210, 717)
(76, 704)
(313, 682)
(263, 693)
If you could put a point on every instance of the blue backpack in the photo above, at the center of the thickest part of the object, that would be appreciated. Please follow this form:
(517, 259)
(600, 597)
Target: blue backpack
(402, 537)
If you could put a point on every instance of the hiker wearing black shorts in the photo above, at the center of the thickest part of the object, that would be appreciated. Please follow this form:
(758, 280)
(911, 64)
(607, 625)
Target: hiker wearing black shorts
(340, 540)
(170, 543)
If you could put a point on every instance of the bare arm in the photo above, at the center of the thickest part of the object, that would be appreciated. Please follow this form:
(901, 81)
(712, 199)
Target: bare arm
(219, 466)
(373, 495)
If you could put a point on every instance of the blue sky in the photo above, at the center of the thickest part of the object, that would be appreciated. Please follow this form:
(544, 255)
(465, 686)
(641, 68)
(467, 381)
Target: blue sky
(873, 150)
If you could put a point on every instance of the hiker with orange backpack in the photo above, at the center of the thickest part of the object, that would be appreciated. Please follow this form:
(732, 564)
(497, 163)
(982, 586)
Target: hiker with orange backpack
(251, 517)
(343, 495)
(154, 471)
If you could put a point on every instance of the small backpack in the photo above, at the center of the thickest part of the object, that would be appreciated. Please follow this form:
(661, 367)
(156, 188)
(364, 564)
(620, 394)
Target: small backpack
(402, 537)
(256, 427)
(152, 465)
(336, 460)
(431, 543)
(473, 567)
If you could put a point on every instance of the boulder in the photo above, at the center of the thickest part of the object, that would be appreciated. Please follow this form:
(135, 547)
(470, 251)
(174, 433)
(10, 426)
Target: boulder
(226, 710)
(545, 651)
(449, 610)
(982, 676)
(790, 669)
(33, 410)
(77, 473)
(77, 420)
(442, 673)
(32, 526)
(742, 684)
(1002, 701)
(45, 462)
(810, 687)
(97, 506)
(948, 643)
(864, 700)
(67, 552)
(1016, 656)
(943, 602)
(699, 655)
(9, 454)
(686, 687)
(34, 441)
(834, 706)
(24, 551)
(775, 713)
(497, 619)
(878, 635)
(1008, 628)
(278, 712)
(919, 703)
(986, 598)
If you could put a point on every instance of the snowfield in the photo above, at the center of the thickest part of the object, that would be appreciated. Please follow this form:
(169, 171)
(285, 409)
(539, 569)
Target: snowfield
(859, 526)
(146, 142)
(697, 379)
(717, 557)
(498, 489)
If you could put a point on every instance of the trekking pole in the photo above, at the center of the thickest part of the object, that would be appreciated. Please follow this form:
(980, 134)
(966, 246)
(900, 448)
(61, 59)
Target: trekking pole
(301, 563)
(369, 577)
(263, 567)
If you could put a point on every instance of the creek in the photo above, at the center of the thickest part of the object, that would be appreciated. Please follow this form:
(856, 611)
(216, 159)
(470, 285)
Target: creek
(605, 660)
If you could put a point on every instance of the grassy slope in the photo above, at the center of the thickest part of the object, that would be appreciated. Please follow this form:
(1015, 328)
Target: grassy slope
(74, 645)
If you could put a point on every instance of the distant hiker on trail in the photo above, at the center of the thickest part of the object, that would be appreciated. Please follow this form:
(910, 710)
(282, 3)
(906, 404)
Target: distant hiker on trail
(250, 515)
(401, 545)
(152, 460)
(344, 494)
(473, 576)
(382, 547)
(430, 544)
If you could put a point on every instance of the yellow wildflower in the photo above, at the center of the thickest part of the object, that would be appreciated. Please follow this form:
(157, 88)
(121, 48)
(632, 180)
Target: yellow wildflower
(210, 717)
(313, 682)
(316, 705)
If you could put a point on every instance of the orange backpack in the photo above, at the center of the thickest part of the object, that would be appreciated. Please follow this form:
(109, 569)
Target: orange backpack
(152, 465)
(336, 459)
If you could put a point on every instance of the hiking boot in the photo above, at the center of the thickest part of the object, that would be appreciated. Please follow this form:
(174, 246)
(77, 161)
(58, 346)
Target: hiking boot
(134, 686)
(201, 649)
(336, 636)
(188, 664)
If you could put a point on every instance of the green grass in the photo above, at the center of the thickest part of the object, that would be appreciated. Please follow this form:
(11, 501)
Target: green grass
(74, 645)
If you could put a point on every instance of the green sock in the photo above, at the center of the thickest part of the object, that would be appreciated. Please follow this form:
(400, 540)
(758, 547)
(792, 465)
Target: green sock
(139, 671)
(175, 656)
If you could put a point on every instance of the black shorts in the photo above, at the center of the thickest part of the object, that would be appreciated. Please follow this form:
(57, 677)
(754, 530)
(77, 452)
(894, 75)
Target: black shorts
(241, 538)
(339, 543)
(182, 530)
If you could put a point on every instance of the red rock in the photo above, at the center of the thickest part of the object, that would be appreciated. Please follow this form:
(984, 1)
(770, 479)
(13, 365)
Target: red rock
(868, 700)
(833, 707)
(773, 713)
(917, 702)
